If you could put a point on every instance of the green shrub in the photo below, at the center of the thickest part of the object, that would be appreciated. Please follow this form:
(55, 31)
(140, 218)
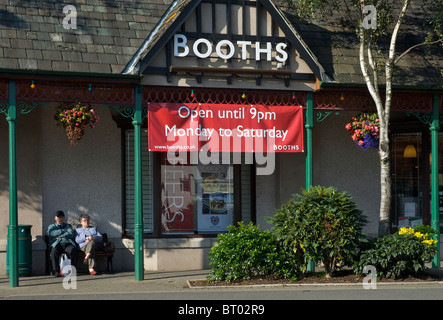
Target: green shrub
(320, 224)
(246, 251)
(401, 254)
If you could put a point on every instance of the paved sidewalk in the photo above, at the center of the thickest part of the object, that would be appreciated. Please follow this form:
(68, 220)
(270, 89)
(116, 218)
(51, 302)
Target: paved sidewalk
(116, 285)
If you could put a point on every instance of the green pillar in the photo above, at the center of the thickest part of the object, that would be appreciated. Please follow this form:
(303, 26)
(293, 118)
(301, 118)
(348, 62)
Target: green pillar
(435, 223)
(13, 216)
(138, 223)
(309, 125)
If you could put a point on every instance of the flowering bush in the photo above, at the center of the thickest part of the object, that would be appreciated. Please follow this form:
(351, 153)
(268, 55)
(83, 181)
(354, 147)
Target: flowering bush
(364, 129)
(426, 237)
(75, 117)
(401, 254)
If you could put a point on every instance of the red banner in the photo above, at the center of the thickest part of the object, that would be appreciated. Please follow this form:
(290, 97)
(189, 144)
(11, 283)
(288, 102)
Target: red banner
(224, 127)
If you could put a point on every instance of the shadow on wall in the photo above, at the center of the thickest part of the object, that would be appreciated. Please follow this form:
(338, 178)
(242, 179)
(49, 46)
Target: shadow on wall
(28, 174)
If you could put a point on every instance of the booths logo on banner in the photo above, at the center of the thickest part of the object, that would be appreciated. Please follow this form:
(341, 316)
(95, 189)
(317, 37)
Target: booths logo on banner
(224, 127)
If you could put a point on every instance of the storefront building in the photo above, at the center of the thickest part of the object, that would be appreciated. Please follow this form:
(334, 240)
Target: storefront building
(194, 70)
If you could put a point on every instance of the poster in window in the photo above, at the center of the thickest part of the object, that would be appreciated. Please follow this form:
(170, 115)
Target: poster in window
(215, 198)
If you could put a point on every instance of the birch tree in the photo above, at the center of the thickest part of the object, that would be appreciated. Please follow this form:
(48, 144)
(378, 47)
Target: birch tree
(375, 21)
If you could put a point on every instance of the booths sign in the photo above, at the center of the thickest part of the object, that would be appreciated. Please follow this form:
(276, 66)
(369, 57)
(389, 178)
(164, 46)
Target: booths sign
(224, 127)
(225, 49)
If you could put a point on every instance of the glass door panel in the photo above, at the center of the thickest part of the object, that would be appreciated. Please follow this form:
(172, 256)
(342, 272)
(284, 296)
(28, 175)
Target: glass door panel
(407, 179)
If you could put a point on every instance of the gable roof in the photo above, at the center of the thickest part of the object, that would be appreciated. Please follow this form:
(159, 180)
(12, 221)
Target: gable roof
(163, 31)
(180, 11)
(114, 36)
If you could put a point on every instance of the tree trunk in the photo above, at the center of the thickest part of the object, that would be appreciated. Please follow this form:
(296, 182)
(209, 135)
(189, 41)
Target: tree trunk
(385, 181)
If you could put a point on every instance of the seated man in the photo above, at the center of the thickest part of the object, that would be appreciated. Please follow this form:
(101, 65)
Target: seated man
(87, 238)
(61, 240)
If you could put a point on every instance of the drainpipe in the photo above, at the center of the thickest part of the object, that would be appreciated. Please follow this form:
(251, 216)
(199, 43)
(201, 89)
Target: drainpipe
(435, 223)
(13, 219)
(138, 223)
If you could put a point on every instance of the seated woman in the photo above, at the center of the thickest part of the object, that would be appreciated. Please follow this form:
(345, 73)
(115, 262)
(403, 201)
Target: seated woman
(87, 238)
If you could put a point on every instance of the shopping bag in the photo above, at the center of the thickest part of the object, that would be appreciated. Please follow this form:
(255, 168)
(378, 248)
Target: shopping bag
(65, 266)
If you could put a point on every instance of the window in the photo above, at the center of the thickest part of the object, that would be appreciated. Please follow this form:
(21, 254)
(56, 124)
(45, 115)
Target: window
(180, 199)
(147, 184)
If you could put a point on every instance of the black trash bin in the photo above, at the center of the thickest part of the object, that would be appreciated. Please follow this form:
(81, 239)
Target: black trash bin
(24, 250)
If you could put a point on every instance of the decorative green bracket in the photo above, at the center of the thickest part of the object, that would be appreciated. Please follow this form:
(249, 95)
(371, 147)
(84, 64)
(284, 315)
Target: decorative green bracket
(4, 107)
(425, 118)
(21, 107)
(26, 107)
(321, 116)
(127, 111)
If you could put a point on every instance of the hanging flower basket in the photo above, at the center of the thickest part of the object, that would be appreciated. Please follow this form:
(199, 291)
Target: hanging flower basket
(364, 129)
(75, 117)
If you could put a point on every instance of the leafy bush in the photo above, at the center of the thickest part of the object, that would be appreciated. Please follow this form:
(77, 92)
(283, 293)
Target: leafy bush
(320, 224)
(401, 254)
(246, 251)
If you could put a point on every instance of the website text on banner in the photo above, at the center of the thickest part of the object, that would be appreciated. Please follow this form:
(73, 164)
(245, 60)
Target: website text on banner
(225, 128)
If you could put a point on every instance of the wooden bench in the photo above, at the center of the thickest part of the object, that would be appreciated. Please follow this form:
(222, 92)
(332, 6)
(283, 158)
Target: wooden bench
(104, 250)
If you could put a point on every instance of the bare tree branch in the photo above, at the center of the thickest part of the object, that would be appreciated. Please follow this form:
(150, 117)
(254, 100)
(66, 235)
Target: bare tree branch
(416, 46)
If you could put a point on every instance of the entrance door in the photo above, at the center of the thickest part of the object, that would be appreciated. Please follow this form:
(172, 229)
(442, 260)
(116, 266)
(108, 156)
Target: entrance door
(409, 179)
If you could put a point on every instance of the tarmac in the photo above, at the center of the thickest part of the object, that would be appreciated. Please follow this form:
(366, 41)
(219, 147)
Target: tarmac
(173, 285)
